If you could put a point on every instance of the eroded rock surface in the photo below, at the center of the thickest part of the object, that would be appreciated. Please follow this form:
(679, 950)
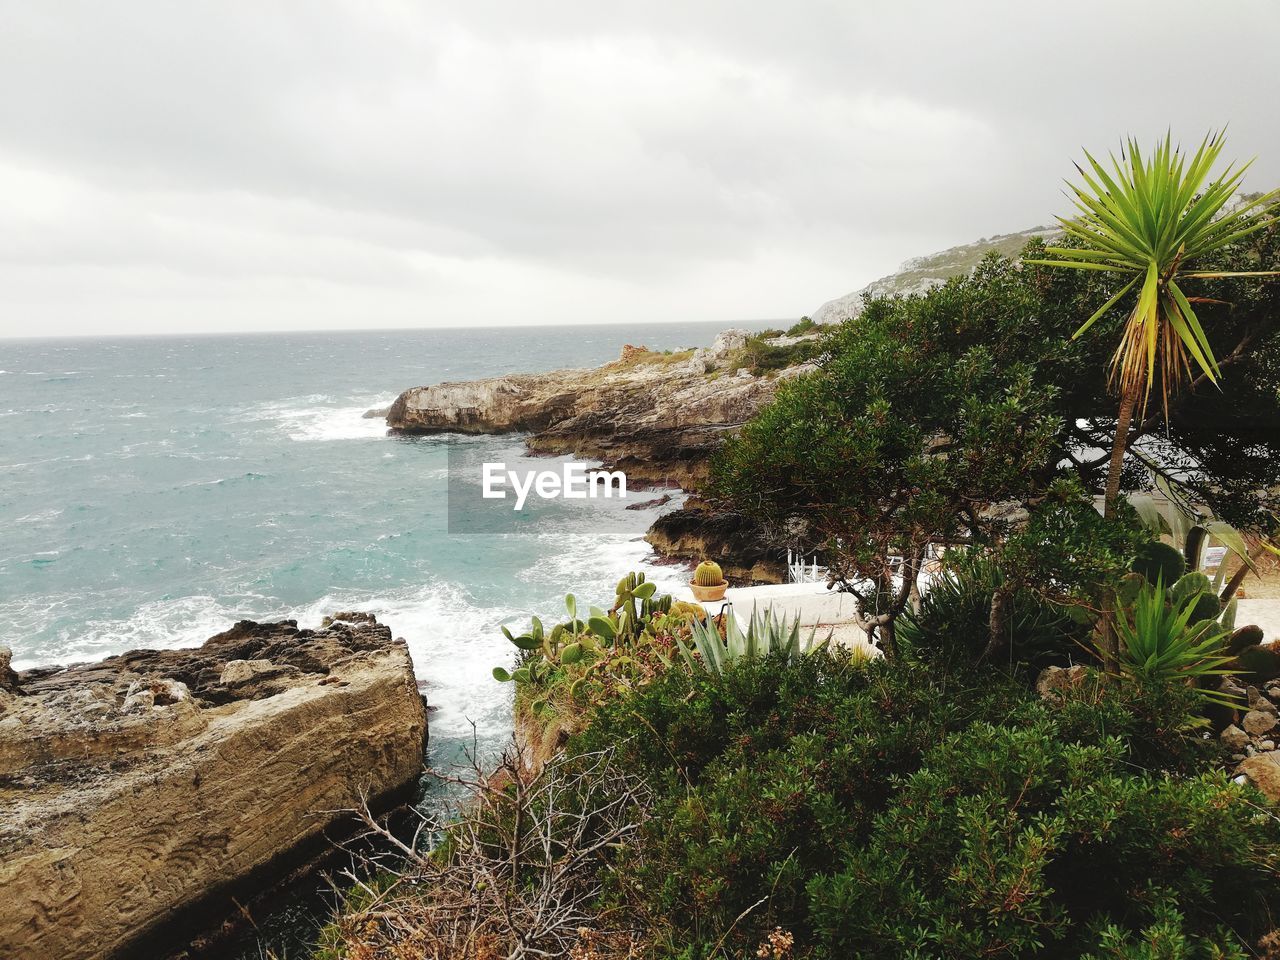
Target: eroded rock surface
(138, 791)
(656, 416)
(695, 532)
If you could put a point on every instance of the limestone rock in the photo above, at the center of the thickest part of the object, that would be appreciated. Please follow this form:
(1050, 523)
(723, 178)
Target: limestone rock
(921, 274)
(241, 671)
(1234, 739)
(1054, 682)
(141, 792)
(1263, 771)
(8, 679)
(1256, 723)
(656, 416)
(740, 546)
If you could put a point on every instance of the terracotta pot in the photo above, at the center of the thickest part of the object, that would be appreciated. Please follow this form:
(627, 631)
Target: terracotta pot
(707, 594)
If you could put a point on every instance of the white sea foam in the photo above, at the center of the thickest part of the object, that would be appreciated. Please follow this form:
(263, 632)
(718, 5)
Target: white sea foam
(40, 517)
(455, 643)
(314, 418)
(159, 625)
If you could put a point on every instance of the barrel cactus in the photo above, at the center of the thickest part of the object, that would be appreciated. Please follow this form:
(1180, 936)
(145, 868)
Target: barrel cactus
(708, 574)
(1160, 562)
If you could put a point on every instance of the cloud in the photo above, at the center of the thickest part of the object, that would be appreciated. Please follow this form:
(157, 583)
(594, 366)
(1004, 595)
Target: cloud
(212, 166)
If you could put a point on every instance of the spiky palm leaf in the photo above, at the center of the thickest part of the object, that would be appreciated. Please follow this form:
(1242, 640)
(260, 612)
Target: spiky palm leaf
(1159, 643)
(1150, 218)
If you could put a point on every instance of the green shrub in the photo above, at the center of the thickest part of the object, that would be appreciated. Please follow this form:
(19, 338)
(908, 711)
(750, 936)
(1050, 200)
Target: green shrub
(802, 326)
(760, 356)
(1159, 643)
(1011, 842)
(953, 624)
(902, 810)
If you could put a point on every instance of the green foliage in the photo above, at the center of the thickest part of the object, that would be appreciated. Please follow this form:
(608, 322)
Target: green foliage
(1149, 221)
(1195, 586)
(898, 377)
(953, 623)
(899, 810)
(708, 574)
(766, 634)
(760, 356)
(1159, 561)
(1067, 550)
(1160, 643)
(1010, 842)
(580, 662)
(916, 410)
(635, 605)
(1228, 616)
(801, 327)
(1188, 585)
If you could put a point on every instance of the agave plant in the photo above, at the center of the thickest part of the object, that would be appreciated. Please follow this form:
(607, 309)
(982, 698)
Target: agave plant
(1158, 642)
(766, 633)
(1147, 220)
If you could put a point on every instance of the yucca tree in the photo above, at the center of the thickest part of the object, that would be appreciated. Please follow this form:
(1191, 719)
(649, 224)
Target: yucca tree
(1149, 219)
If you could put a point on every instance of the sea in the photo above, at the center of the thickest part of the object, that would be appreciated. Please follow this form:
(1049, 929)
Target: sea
(155, 490)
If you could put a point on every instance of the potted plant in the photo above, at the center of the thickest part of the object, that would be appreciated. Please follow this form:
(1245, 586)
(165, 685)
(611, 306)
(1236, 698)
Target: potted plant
(708, 582)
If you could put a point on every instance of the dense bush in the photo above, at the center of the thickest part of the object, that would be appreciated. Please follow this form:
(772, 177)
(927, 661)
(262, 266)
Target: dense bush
(760, 356)
(953, 622)
(1010, 841)
(929, 416)
(899, 810)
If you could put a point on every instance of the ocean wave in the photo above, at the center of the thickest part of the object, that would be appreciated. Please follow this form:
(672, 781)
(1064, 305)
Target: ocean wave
(221, 481)
(157, 625)
(40, 517)
(580, 560)
(310, 419)
(36, 463)
(455, 642)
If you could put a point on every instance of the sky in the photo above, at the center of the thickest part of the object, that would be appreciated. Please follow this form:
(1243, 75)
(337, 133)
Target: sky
(235, 166)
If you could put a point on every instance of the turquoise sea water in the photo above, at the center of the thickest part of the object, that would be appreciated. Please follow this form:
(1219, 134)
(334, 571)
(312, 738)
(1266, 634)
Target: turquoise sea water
(155, 490)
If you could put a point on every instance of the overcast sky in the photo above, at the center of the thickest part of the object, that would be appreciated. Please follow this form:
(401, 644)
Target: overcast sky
(183, 167)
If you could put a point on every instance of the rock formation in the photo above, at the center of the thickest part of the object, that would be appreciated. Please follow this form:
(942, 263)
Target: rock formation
(695, 532)
(141, 794)
(657, 416)
(922, 274)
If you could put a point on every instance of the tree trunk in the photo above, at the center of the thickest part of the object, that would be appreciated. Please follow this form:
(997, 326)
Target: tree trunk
(997, 624)
(1127, 402)
(1237, 578)
(889, 639)
(1109, 501)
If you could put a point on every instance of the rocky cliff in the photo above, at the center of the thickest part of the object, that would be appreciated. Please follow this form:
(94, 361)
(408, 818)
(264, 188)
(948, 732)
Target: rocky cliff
(697, 532)
(921, 274)
(140, 795)
(657, 416)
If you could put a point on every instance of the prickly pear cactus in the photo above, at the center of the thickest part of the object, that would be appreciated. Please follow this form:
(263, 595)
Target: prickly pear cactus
(1189, 585)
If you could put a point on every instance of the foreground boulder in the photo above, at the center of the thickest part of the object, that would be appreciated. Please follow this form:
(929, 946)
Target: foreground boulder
(149, 792)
